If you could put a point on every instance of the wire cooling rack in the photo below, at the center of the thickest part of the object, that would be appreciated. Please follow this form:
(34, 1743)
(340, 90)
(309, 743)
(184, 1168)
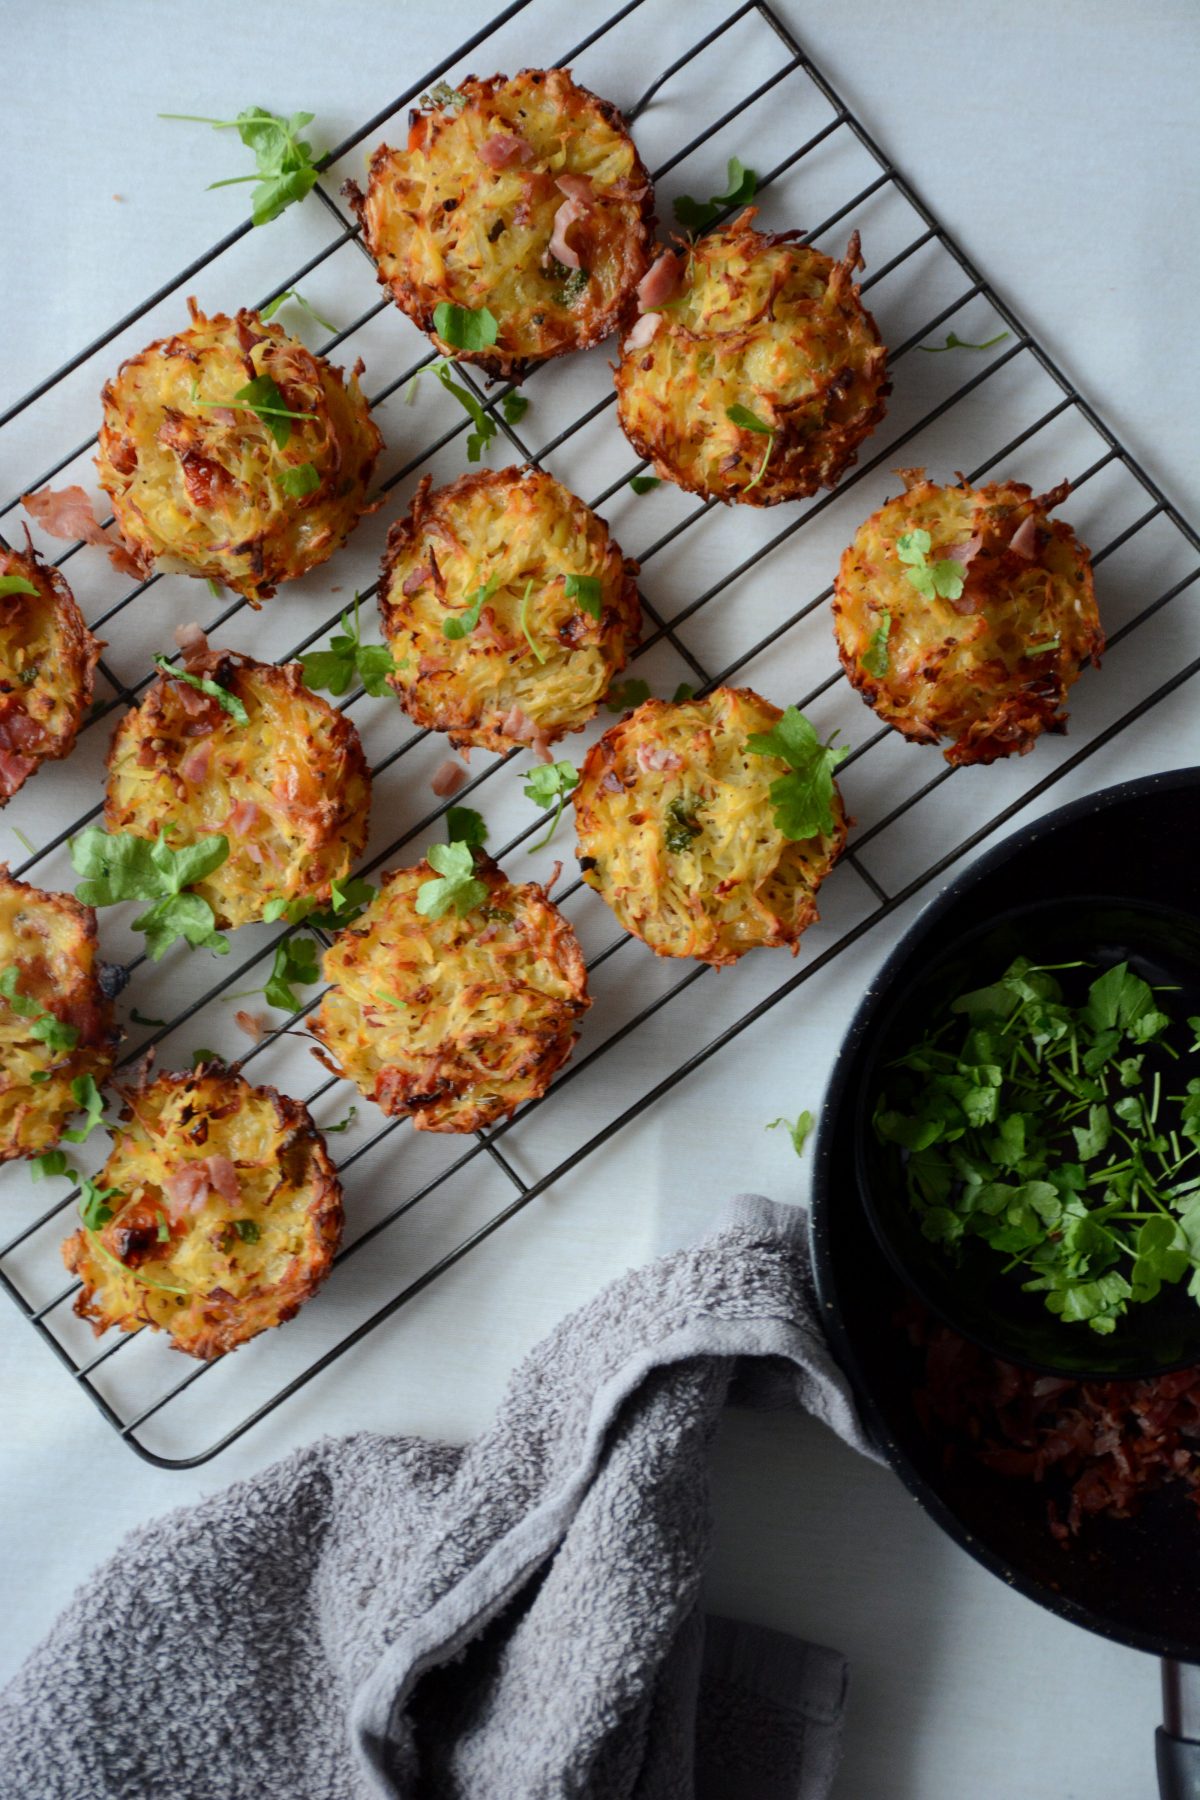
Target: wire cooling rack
(728, 595)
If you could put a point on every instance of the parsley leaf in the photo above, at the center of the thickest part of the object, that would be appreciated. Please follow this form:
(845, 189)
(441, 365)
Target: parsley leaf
(697, 215)
(460, 625)
(465, 329)
(268, 312)
(954, 342)
(299, 479)
(797, 1130)
(803, 800)
(457, 888)
(225, 700)
(119, 866)
(485, 426)
(15, 584)
(87, 1095)
(546, 784)
(945, 578)
(465, 826)
(346, 657)
(286, 171)
(514, 407)
(295, 960)
(587, 590)
(874, 658)
(626, 695)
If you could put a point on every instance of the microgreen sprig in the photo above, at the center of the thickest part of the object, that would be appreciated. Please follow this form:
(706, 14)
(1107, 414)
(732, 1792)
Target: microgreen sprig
(945, 578)
(347, 657)
(455, 887)
(546, 784)
(803, 799)
(745, 420)
(120, 866)
(286, 169)
(696, 215)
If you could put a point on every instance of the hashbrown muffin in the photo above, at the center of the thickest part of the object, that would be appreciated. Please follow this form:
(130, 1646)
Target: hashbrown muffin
(47, 662)
(772, 330)
(48, 960)
(539, 661)
(453, 1021)
(203, 484)
(525, 196)
(290, 789)
(988, 662)
(677, 832)
(226, 1214)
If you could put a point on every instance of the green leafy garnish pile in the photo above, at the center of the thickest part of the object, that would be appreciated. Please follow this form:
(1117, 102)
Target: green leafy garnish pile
(698, 215)
(286, 170)
(1045, 1129)
(945, 578)
(456, 888)
(119, 866)
(348, 657)
(803, 799)
(546, 784)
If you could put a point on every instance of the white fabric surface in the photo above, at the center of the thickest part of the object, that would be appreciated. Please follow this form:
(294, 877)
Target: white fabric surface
(1060, 146)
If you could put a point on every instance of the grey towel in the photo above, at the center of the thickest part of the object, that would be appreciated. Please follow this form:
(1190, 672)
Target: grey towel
(510, 1620)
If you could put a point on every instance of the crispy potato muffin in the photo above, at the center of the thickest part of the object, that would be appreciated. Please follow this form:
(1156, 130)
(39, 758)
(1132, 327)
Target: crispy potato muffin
(539, 660)
(203, 484)
(677, 830)
(290, 789)
(224, 1213)
(978, 636)
(56, 1021)
(771, 330)
(525, 196)
(47, 659)
(453, 1021)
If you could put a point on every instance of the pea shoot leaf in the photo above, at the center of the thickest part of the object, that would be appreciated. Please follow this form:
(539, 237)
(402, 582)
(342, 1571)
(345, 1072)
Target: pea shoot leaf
(94, 1210)
(514, 407)
(88, 1096)
(342, 1124)
(286, 170)
(464, 328)
(119, 866)
(797, 1130)
(348, 897)
(546, 784)
(874, 658)
(485, 425)
(225, 700)
(268, 312)
(745, 420)
(697, 215)
(803, 799)
(587, 590)
(347, 657)
(15, 584)
(50, 1162)
(523, 621)
(263, 398)
(954, 342)
(642, 484)
(299, 479)
(685, 691)
(626, 695)
(295, 961)
(465, 826)
(45, 1026)
(461, 625)
(945, 578)
(456, 887)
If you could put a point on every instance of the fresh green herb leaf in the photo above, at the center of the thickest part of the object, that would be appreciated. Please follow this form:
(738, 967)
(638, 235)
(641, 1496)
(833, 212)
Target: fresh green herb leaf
(141, 1019)
(685, 691)
(163, 1233)
(443, 97)
(295, 961)
(268, 312)
(465, 826)
(51, 1162)
(300, 479)
(29, 848)
(697, 215)
(346, 657)
(15, 584)
(263, 398)
(803, 800)
(626, 695)
(463, 328)
(745, 420)
(956, 343)
(201, 1056)
(485, 425)
(461, 625)
(214, 587)
(574, 287)
(119, 866)
(94, 1210)
(945, 578)
(1041, 649)
(225, 700)
(248, 1230)
(683, 825)
(456, 888)
(44, 1026)
(342, 1124)
(286, 170)
(88, 1096)
(797, 1130)
(874, 658)
(514, 407)
(642, 484)
(348, 897)
(546, 784)
(523, 621)
(587, 590)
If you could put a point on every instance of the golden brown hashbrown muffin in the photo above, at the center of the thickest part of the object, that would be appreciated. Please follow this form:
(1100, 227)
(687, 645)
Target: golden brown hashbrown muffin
(289, 788)
(56, 1021)
(201, 483)
(454, 1020)
(771, 330)
(524, 196)
(221, 1213)
(47, 659)
(966, 613)
(677, 831)
(557, 619)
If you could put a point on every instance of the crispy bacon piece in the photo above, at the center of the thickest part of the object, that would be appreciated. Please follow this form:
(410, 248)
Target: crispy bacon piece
(661, 281)
(504, 148)
(657, 757)
(67, 513)
(192, 640)
(224, 1177)
(1024, 540)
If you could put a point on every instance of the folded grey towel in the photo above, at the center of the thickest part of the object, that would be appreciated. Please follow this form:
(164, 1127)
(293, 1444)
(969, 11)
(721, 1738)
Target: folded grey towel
(510, 1620)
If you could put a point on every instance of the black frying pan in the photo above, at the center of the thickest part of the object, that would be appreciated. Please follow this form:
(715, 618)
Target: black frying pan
(1136, 1580)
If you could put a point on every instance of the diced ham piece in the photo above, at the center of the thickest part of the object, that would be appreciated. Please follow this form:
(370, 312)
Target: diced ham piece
(253, 1024)
(643, 331)
(576, 187)
(243, 818)
(657, 757)
(504, 148)
(660, 283)
(194, 766)
(18, 731)
(193, 702)
(416, 580)
(1024, 540)
(224, 1177)
(67, 513)
(611, 783)
(964, 553)
(516, 724)
(448, 779)
(185, 1189)
(13, 771)
(191, 640)
(568, 213)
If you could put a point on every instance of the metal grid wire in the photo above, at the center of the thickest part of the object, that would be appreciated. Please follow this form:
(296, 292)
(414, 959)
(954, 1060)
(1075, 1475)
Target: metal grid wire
(692, 646)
